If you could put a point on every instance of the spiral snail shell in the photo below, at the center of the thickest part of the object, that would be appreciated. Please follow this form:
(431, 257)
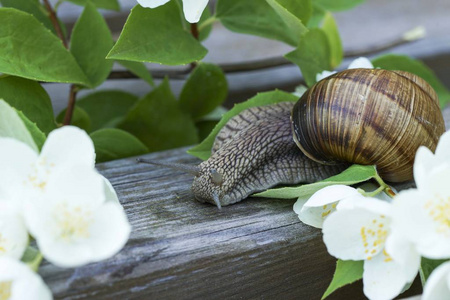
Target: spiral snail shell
(363, 116)
(369, 116)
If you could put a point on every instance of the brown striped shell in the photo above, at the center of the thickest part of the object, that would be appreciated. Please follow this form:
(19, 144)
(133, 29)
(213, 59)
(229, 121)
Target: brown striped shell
(368, 116)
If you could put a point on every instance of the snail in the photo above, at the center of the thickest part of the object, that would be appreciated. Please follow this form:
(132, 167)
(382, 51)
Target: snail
(363, 116)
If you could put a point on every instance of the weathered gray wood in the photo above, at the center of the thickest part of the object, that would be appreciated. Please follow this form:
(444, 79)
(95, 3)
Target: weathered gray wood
(182, 249)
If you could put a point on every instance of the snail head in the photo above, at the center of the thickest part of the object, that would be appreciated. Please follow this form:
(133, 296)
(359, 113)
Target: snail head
(207, 185)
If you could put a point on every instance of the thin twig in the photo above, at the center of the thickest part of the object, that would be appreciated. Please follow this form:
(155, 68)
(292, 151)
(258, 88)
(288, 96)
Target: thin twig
(261, 64)
(55, 22)
(71, 105)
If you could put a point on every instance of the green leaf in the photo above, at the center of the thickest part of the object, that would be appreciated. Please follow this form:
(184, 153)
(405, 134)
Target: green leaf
(203, 150)
(113, 144)
(157, 35)
(32, 257)
(106, 108)
(37, 135)
(106, 4)
(354, 174)
(318, 13)
(11, 125)
(80, 118)
(257, 17)
(90, 43)
(338, 5)
(205, 89)
(427, 266)
(32, 7)
(29, 97)
(312, 55)
(139, 69)
(294, 13)
(405, 63)
(158, 121)
(331, 31)
(347, 271)
(24, 50)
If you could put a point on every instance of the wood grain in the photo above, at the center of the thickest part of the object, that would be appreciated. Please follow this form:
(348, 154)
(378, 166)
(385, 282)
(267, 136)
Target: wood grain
(182, 249)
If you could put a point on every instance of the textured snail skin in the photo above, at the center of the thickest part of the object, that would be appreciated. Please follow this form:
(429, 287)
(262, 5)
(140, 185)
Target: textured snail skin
(369, 116)
(254, 151)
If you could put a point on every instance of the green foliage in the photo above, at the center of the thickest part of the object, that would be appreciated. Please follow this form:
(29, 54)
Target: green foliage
(90, 43)
(203, 150)
(11, 125)
(312, 55)
(106, 4)
(427, 266)
(258, 17)
(31, 7)
(32, 257)
(29, 97)
(24, 49)
(157, 35)
(405, 63)
(205, 89)
(106, 108)
(354, 174)
(115, 143)
(37, 135)
(334, 40)
(158, 121)
(80, 118)
(347, 271)
(337, 5)
(139, 69)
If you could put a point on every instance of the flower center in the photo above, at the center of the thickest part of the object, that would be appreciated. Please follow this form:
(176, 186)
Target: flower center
(373, 236)
(72, 222)
(439, 210)
(5, 290)
(39, 174)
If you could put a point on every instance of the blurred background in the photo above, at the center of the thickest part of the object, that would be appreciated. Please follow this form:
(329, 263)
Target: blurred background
(370, 29)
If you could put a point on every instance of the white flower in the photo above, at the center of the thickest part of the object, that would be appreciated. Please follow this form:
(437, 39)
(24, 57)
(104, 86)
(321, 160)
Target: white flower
(24, 172)
(192, 9)
(19, 282)
(437, 286)
(425, 162)
(422, 215)
(360, 230)
(314, 210)
(322, 203)
(359, 63)
(13, 232)
(74, 224)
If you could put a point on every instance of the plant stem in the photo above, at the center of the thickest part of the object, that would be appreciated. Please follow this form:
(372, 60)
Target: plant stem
(206, 23)
(73, 87)
(194, 32)
(71, 105)
(55, 22)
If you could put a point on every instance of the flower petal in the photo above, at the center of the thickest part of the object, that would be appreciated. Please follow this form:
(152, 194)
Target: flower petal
(404, 254)
(110, 193)
(13, 232)
(361, 63)
(193, 9)
(152, 3)
(423, 162)
(323, 202)
(443, 148)
(109, 232)
(16, 162)
(23, 283)
(68, 145)
(382, 277)
(437, 285)
(357, 233)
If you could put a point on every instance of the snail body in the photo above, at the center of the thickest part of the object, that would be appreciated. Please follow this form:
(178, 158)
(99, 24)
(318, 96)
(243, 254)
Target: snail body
(363, 116)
